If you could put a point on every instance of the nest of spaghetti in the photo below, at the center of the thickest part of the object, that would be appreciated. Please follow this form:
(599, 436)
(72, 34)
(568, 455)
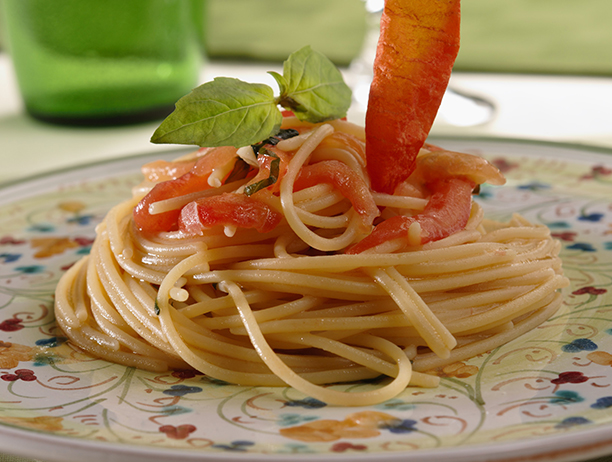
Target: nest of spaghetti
(276, 265)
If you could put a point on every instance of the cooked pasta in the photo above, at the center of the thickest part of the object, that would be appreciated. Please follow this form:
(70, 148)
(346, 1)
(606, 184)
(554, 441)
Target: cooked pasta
(306, 301)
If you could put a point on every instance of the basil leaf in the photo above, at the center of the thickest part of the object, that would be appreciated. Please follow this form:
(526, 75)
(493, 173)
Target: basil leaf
(224, 112)
(272, 178)
(312, 87)
(280, 80)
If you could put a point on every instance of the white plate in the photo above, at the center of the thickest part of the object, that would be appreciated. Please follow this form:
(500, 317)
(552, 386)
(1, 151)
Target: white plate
(547, 395)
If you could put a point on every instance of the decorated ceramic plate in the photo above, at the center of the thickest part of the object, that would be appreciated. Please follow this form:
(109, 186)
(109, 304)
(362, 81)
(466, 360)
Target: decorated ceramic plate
(546, 395)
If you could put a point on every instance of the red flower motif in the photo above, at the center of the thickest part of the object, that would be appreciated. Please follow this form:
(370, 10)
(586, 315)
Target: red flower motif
(565, 236)
(341, 447)
(185, 374)
(503, 165)
(11, 325)
(83, 241)
(20, 374)
(570, 377)
(10, 240)
(177, 433)
(589, 290)
(601, 170)
(597, 170)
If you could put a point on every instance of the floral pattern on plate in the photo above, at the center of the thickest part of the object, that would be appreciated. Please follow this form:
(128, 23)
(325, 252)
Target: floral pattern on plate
(554, 380)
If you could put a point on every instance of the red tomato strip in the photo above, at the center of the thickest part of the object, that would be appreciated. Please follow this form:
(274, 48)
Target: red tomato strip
(447, 212)
(347, 181)
(418, 44)
(194, 180)
(228, 209)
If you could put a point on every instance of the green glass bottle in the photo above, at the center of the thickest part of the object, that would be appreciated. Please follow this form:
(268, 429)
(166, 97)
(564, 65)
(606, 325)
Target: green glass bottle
(104, 62)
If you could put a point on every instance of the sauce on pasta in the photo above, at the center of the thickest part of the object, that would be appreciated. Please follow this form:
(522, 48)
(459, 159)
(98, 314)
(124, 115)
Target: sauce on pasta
(287, 286)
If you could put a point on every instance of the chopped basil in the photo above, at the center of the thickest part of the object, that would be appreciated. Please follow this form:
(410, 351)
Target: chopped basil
(283, 134)
(272, 178)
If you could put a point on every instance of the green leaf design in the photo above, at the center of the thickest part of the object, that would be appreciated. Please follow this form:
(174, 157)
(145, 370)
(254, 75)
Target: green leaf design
(224, 112)
(313, 87)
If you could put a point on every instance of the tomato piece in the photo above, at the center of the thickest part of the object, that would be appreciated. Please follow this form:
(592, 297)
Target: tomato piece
(228, 209)
(447, 212)
(347, 181)
(193, 181)
(265, 165)
(418, 44)
(163, 170)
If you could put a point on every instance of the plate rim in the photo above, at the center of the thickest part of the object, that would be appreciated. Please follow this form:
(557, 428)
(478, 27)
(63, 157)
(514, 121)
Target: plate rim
(131, 157)
(594, 441)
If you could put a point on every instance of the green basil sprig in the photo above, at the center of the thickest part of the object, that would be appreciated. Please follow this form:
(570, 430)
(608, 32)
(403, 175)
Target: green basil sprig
(230, 112)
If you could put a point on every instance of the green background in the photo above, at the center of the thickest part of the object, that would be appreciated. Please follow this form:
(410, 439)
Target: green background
(532, 36)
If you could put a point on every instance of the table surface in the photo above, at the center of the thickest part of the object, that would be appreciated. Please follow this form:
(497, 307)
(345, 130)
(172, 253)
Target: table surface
(552, 108)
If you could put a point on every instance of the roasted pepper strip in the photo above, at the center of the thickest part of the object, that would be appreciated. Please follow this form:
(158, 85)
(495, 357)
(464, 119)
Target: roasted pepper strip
(416, 51)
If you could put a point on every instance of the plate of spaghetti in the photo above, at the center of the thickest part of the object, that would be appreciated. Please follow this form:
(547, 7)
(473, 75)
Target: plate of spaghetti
(546, 391)
(301, 285)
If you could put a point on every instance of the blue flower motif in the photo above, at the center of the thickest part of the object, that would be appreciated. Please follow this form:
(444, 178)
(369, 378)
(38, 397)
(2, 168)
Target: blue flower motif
(585, 247)
(566, 397)
(572, 422)
(399, 425)
(602, 403)
(239, 446)
(32, 269)
(608, 331)
(215, 382)
(42, 228)
(84, 250)
(297, 448)
(307, 403)
(50, 342)
(580, 344)
(181, 390)
(534, 186)
(485, 193)
(559, 224)
(287, 420)
(608, 245)
(46, 359)
(398, 404)
(81, 219)
(10, 257)
(594, 217)
(175, 410)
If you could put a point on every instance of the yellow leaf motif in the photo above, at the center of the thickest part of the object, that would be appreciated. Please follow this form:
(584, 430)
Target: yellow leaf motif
(72, 206)
(357, 425)
(12, 353)
(600, 357)
(459, 370)
(50, 246)
(42, 423)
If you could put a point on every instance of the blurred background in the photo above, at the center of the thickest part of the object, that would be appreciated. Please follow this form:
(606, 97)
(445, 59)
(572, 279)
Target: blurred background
(532, 36)
(535, 69)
